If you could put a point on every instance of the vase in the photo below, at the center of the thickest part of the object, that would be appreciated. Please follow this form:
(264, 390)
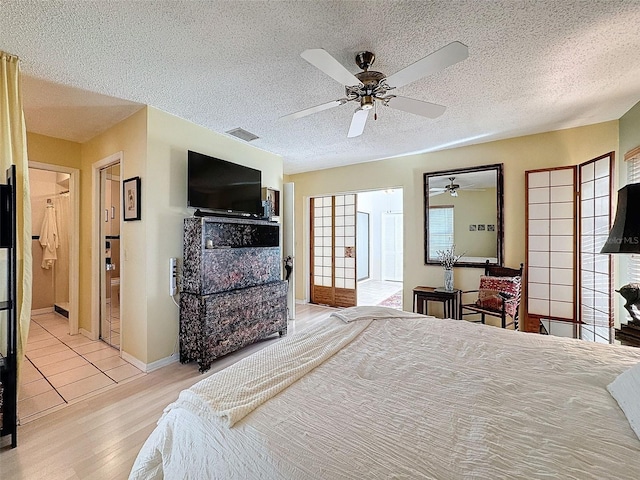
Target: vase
(448, 279)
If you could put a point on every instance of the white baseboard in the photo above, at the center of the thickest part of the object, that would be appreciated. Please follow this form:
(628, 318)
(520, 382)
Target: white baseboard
(301, 302)
(133, 361)
(163, 362)
(150, 367)
(42, 311)
(87, 334)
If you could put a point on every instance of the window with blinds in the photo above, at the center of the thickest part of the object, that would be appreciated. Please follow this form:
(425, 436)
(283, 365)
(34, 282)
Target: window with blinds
(441, 229)
(633, 176)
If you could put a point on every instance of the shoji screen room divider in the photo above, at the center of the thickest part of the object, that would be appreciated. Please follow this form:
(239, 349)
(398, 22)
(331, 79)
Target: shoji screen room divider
(568, 282)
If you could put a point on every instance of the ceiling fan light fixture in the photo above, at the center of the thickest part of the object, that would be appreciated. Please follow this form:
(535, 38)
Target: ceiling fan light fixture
(366, 102)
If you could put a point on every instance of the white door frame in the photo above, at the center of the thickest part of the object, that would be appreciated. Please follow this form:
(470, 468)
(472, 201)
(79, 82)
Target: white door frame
(74, 243)
(97, 249)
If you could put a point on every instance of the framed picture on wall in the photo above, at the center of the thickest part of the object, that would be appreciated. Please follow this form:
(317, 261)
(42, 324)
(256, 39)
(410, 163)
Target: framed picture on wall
(131, 199)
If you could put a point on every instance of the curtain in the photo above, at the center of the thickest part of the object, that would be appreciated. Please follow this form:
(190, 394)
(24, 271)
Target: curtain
(13, 151)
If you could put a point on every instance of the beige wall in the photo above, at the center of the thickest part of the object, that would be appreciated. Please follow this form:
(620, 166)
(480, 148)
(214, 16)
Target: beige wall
(54, 151)
(564, 147)
(130, 138)
(164, 208)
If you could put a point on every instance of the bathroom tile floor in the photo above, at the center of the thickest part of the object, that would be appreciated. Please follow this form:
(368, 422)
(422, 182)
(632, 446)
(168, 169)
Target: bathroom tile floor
(60, 368)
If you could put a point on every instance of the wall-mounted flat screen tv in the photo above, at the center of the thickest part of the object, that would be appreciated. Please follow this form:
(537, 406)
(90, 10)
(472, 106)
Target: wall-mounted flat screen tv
(221, 186)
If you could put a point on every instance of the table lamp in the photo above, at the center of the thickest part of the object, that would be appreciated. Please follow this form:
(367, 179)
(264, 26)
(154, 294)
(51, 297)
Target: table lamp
(624, 237)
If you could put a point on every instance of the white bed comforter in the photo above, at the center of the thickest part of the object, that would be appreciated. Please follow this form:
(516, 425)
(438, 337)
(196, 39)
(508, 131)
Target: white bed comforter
(405, 398)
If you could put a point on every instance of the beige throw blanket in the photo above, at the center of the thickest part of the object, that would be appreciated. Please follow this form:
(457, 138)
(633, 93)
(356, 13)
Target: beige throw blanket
(236, 391)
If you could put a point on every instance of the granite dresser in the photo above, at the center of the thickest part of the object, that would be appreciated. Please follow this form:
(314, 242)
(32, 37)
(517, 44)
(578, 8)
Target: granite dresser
(232, 292)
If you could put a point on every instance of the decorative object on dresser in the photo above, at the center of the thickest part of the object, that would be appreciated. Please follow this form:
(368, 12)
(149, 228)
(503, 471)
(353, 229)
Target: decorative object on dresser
(272, 199)
(624, 237)
(498, 295)
(9, 320)
(232, 292)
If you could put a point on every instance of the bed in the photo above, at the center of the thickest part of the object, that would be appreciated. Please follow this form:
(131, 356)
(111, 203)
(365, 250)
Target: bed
(378, 393)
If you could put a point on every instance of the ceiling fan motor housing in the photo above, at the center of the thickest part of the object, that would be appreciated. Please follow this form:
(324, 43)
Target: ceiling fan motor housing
(365, 59)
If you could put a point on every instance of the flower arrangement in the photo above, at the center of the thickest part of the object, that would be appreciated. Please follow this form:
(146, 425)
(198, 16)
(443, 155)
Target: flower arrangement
(448, 257)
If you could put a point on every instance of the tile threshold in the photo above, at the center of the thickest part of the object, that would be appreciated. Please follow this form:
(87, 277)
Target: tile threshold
(82, 398)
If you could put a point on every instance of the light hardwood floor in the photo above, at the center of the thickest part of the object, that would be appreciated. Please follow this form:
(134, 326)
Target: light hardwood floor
(99, 437)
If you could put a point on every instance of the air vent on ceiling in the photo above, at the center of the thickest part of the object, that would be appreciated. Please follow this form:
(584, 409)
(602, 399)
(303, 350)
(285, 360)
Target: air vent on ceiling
(242, 134)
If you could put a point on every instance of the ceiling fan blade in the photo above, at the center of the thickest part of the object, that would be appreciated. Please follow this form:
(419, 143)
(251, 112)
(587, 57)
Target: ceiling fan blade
(320, 59)
(417, 107)
(358, 122)
(316, 109)
(438, 60)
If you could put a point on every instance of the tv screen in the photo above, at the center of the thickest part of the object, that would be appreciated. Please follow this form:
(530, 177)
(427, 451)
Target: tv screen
(218, 185)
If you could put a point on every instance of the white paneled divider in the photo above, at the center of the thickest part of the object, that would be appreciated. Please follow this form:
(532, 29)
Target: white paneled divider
(568, 221)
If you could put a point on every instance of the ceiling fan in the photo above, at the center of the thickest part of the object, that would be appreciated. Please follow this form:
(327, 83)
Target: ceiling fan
(452, 188)
(368, 88)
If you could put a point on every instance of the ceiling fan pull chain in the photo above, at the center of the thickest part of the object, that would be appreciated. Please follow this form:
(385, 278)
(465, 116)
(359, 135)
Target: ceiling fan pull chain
(375, 110)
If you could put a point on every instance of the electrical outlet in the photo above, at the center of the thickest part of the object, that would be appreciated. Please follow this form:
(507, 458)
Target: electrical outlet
(173, 275)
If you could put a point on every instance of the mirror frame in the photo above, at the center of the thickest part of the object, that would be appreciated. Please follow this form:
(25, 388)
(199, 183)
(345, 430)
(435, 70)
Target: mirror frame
(498, 167)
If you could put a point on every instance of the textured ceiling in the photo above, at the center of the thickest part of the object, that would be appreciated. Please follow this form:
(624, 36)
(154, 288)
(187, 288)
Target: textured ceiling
(533, 66)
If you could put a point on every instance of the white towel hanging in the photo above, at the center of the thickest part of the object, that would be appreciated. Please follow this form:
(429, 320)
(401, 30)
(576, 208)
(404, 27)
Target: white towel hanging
(49, 238)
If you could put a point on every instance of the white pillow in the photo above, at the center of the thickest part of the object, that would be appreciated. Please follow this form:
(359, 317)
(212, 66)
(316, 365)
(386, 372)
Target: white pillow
(626, 390)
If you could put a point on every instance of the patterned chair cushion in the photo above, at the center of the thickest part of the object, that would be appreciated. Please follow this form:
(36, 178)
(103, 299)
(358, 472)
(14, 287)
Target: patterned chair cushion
(490, 289)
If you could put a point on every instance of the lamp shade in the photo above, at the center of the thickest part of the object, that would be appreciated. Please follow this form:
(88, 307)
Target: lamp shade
(624, 236)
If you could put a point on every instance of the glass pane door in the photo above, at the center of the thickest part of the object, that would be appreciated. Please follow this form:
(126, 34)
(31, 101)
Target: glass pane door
(333, 247)
(596, 289)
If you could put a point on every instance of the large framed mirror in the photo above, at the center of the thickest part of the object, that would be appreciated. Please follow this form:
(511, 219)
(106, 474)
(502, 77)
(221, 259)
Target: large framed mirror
(464, 207)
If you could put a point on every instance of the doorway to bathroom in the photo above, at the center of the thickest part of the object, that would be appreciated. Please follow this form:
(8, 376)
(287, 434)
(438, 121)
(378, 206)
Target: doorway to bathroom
(55, 241)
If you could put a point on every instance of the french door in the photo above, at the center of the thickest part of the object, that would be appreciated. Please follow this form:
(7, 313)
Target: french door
(333, 250)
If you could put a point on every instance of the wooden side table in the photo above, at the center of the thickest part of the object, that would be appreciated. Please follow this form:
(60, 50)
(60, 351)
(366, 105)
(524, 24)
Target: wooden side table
(451, 301)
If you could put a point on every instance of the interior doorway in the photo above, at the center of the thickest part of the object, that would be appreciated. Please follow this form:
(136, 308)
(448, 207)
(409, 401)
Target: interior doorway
(356, 247)
(383, 285)
(55, 241)
(333, 250)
